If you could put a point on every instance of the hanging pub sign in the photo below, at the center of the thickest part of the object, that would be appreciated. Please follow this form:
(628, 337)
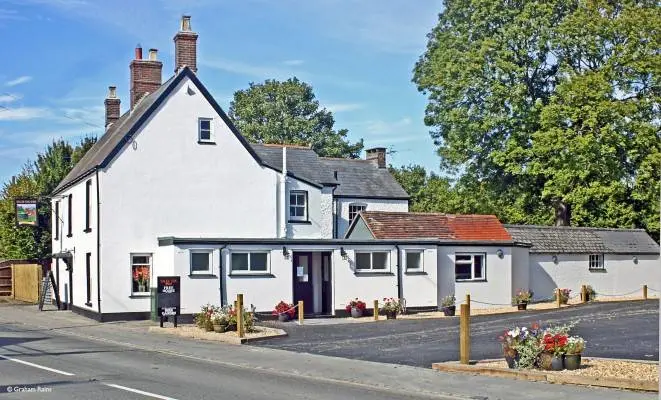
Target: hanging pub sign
(26, 212)
(168, 297)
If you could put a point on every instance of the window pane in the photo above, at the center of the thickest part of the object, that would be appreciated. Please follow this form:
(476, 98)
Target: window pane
(362, 260)
(258, 262)
(413, 260)
(140, 260)
(477, 261)
(463, 257)
(462, 271)
(379, 260)
(140, 275)
(205, 124)
(199, 262)
(292, 199)
(239, 261)
(205, 135)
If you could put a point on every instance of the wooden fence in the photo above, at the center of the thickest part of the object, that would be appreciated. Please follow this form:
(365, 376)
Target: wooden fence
(5, 280)
(21, 280)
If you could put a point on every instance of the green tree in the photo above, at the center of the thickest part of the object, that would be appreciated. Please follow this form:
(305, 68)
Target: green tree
(288, 112)
(36, 180)
(545, 104)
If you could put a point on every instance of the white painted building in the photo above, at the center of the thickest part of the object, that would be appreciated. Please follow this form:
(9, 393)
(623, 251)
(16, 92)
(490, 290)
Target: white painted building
(173, 188)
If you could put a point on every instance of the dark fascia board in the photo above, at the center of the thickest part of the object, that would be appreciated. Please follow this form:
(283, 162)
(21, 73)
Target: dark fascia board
(344, 196)
(170, 240)
(74, 181)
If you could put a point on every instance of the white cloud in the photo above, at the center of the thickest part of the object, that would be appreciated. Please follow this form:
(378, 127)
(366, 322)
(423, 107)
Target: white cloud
(342, 107)
(381, 128)
(8, 97)
(293, 62)
(10, 15)
(18, 81)
(23, 113)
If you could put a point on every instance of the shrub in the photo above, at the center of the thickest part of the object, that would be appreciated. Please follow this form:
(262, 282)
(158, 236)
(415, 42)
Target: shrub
(448, 301)
(575, 345)
(591, 292)
(359, 304)
(564, 295)
(204, 318)
(284, 308)
(522, 296)
(391, 305)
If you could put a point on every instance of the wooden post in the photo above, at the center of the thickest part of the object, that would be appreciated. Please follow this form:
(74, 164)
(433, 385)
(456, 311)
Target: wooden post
(468, 302)
(239, 315)
(644, 292)
(557, 297)
(376, 310)
(300, 312)
(464, 335)
(584, 294)
(13, 281)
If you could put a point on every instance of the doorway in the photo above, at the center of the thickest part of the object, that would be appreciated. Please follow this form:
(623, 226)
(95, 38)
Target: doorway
(303, 287)
(326, 284)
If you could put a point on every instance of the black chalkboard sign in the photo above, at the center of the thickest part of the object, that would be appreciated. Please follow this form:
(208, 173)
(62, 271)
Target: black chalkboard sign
(168, 297)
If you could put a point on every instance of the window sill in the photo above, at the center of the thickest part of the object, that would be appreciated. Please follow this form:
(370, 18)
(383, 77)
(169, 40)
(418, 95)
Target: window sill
(415, 273)
(202, 276)
(597, 270)
(140, 296)
(470, 280)
(206, 142)
(371, 273)
(88, 304)
(88, 230)
(252, 275)
(70, 235)
(293, 221)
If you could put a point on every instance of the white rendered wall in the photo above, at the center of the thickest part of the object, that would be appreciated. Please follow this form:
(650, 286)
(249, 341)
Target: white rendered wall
(620, 276)
(320, 217)
(496, 289)
(372, 205)
(79, 244)
(520, 269)
(420, 289)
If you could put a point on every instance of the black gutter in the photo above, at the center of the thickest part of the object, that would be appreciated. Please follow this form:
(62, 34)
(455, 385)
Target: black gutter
(221, 275)
(400, 289)
(98, 242)
(170, 240)
(346, 196)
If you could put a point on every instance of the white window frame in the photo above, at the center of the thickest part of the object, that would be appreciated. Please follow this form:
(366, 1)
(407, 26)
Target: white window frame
(199, 130)
(472, 263)
(249, 271)
(596, 262)
(422, 258)
(208, 271)
(371, 268)
(303, 193)
(151, 271)
(362, 206)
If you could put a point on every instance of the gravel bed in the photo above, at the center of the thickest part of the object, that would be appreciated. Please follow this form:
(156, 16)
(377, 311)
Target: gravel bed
(194, 332)
(594, 367)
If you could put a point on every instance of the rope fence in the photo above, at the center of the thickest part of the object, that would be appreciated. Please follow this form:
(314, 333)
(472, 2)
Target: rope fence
(618, 295)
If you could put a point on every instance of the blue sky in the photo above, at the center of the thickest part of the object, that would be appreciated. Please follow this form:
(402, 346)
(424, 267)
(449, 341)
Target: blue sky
(59, 57)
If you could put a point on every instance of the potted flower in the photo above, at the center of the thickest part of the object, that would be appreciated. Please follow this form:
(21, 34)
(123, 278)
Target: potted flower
(203, 320)
(356, 308)
(564, 295)
(554, 350)
(521, 346)
(219, 321)
(284, 311)
(391, 307)
(574, 348)
(448, 305)
(522, 298)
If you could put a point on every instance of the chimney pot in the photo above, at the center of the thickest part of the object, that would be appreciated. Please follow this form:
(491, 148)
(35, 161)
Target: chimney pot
(185, 23)
(112, 104)
(138, 52)
(112, 92)
(377, 156)
(152, 54)
(145, 75)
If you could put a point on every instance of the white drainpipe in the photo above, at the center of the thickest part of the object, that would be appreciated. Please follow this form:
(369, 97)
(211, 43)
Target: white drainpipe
(283, 195)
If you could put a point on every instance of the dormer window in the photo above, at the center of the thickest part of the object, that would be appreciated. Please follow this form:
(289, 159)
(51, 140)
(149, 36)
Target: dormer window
(204, 132)
(298, 205)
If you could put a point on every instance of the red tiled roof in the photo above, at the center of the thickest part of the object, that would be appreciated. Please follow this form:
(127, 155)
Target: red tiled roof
(408, 225)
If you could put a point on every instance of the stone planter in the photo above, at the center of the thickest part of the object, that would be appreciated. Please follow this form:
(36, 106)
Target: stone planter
(572, 361)
(557, 363)
(356, 312)
(283, 317)
(550, 362)
(218, 328)
(512, 361)
(522, 305)
(391, 315)
(449, 311)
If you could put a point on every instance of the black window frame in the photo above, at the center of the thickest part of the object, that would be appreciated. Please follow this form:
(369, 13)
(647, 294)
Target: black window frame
(70, 216)
(88, 278)
(483, 278)
(56, 220)
(200, 140)
(599, 265)
(306, 215)
(88, 205)
(360, 206)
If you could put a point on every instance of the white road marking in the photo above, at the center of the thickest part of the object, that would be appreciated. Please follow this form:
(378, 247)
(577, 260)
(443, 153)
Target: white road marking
(128, 389)
(57, 371)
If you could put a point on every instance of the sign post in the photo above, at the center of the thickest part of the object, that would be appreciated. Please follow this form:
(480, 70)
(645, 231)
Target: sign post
(168, 297)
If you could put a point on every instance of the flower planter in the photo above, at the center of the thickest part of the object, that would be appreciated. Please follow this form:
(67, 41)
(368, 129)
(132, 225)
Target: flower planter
(522, 306)
(572, 361)
(219, 328)
(557, 363)
(449, 311)
(550, 362)
(391, 315)
(208, 327)
(230, 328)
(356, 312)
(283, 317)
(512, 361)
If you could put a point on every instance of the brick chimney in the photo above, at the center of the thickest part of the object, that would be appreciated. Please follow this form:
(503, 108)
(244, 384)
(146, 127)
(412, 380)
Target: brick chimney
(145, 75)
(112, 106)
(377, 156)
(185, 46)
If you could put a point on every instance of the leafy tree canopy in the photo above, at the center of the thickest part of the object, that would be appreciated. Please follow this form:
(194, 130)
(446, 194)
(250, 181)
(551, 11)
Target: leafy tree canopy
(548, 103)
(288, 112)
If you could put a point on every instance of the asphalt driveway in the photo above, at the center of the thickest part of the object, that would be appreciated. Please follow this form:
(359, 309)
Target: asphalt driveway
(627, 330)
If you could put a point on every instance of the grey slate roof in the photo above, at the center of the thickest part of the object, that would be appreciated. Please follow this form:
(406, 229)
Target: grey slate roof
(577, 240)
(302, 163)
(361, 178)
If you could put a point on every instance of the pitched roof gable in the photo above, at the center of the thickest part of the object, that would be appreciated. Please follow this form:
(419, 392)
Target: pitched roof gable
(409, 225)
(302, 163)
(582, 240)
(362, 179)
(121, 132)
